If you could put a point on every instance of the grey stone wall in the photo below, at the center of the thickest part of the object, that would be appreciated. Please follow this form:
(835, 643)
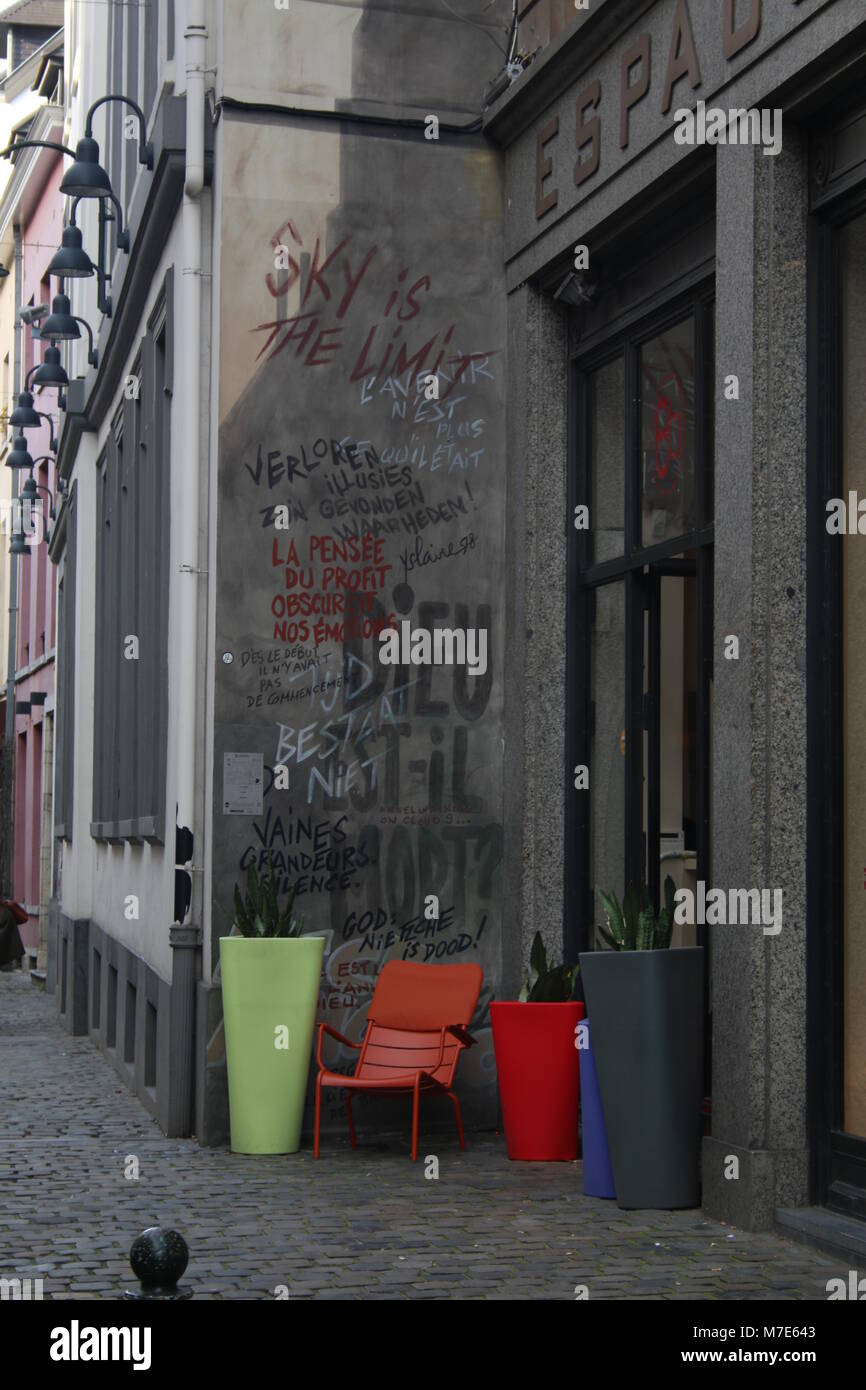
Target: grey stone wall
(393, 270)
(759, 736)
(535, 690)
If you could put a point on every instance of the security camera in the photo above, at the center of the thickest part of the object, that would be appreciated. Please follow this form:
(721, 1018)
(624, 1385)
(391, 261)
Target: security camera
(576, 290)
(33, 314)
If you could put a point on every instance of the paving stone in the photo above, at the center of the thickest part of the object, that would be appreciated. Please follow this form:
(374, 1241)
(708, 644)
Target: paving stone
(354, 1225)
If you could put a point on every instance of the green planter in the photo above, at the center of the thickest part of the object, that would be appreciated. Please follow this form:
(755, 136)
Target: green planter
(269, 983)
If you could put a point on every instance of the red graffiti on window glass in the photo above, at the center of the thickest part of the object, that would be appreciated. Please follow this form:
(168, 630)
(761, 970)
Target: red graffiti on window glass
(669, 431)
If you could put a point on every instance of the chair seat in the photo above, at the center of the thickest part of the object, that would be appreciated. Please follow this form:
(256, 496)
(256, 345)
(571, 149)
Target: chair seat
(405, 1081)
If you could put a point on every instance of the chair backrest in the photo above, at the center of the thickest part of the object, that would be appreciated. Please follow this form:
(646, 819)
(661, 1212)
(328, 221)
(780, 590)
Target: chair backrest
(408, 995)
(410, 1006)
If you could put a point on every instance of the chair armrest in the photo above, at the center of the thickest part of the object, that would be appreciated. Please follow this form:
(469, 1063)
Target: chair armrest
(458, 1031)
(326, 1028)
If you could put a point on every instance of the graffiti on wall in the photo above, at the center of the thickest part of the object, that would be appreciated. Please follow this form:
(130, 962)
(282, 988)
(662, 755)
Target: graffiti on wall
(358, 496)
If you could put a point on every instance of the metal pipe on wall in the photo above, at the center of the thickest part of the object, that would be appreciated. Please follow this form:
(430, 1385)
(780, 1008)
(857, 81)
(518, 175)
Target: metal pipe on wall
(185, 936)
(12, 657)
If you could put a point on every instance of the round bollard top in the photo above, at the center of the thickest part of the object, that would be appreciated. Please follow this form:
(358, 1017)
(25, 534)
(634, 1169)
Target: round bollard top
(159, 1257)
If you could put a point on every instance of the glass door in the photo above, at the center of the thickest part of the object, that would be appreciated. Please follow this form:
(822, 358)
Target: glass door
(670, 741)
(640, 640)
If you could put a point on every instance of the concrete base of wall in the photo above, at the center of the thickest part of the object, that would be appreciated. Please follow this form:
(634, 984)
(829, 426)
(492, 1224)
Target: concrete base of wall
(212, 1096)
(765, 1180)
(51, 944)
(71, 963)
(106, 991)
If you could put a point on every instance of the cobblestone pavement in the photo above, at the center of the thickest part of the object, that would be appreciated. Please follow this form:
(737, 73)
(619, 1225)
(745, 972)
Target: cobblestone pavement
(355, 1225)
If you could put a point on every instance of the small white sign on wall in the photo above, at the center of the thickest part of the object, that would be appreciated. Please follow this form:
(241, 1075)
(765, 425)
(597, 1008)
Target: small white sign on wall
(243, 784)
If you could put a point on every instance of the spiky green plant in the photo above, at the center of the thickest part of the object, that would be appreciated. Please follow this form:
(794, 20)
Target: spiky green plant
(547, 985)
(636, 926)
(258, 914)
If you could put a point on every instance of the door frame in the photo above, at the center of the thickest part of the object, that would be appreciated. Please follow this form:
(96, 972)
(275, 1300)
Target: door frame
(584, 577)
(838, 1159)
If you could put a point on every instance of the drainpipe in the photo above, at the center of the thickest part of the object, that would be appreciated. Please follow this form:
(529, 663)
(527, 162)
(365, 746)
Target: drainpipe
(12, 657)
(185, 937)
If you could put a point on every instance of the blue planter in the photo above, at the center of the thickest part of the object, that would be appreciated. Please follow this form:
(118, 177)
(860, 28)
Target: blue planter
(597, 1170)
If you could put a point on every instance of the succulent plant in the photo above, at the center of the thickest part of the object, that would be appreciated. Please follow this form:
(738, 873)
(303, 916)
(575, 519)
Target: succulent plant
(257, 913)
(547, 985)
(636, 926)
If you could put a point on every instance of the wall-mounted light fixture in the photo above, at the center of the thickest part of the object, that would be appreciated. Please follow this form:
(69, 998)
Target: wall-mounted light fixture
(50, 371)
(62, 325)
(86, 178)
(18, 456)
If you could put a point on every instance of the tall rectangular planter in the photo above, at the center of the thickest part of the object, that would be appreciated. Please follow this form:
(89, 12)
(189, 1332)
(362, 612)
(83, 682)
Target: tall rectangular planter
(645, 1010)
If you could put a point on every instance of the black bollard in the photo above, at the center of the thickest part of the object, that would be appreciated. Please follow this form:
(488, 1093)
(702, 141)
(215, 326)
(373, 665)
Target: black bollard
(159, 1257)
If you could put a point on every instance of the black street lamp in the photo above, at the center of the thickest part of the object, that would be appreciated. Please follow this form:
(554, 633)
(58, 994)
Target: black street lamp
(18, 546)
(29, 493)
(48, 372)
(24, 415)
(86, 177)
(62, 325)
(70, 261)
(18, 456)
(33, 145)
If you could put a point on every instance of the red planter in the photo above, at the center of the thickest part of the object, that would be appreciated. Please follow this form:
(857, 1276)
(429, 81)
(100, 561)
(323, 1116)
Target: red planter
(538, 1066)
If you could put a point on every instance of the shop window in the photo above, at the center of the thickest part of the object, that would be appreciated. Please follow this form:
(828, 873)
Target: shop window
(667, 387)
(641, 611)
(606, 423)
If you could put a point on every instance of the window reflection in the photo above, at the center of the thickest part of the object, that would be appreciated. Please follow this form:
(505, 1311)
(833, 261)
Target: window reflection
(667, 385)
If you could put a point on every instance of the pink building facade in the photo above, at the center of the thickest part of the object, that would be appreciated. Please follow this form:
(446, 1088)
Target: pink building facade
(41, 210)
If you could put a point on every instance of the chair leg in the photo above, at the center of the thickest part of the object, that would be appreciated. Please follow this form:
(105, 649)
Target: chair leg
(459, 1120)
(318, 1115)
(351, 1121)
(415, 1097)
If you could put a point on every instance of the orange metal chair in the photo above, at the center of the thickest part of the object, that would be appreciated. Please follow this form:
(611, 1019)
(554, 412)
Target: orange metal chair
(416, 1031)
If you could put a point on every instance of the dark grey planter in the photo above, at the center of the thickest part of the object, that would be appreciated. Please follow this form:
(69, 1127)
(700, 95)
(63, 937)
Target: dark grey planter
(645, 1009)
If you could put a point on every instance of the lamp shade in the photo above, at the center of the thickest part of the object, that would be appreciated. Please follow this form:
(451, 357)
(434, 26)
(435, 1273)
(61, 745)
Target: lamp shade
(24, 416)
(18, 456)
(18, 546)
(85, 177)
(51, 373)
(71, 261)
(60, 324)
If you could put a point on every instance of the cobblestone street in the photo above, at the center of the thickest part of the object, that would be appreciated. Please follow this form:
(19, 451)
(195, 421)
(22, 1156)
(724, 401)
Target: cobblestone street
(355, 1225)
